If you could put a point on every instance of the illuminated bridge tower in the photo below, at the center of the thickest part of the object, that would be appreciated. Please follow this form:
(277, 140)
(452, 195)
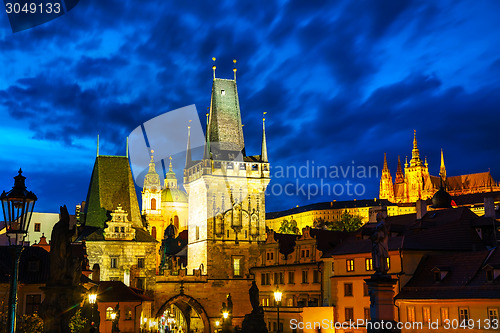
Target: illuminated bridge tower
(226, 193)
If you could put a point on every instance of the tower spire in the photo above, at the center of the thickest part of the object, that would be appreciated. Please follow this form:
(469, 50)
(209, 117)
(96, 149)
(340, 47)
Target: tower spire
(263, 152)
(188, 150)
(442, 168)
(385, 168)
(399, 172)
(415, 154)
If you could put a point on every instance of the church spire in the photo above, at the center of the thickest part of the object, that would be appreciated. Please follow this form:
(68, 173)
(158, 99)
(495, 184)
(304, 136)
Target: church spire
(152, 179)
(415, 154)
(263, 152)
(385, 168)
(442, 168)
(399, 172)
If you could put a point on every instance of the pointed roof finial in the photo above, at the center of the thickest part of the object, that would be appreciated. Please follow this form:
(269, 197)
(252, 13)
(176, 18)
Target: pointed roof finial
(385, 168)
(263, 153)
(442, 168)
(234, 69)
(414, 139)
(126, 148)
(213, 67)
(170, 165)
(188, 149)
(426, 164)
(97, 145)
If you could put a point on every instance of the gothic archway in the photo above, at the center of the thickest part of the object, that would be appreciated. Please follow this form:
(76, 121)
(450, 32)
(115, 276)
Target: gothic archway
(183, 301)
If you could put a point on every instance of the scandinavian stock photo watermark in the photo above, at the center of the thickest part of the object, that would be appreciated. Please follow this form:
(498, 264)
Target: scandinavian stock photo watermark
(312, 179)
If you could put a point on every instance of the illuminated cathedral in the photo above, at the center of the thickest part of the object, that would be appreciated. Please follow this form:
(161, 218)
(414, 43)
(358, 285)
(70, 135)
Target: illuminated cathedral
(416, 182)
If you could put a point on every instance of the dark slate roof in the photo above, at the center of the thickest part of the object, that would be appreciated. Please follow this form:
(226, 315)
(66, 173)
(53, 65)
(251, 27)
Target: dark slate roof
(28, 273)
(465, 279)
(111, 184)
(330, 205)
(117, 291)
(224, 130)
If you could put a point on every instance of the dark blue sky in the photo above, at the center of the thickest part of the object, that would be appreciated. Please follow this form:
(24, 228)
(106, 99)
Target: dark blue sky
(342, 81)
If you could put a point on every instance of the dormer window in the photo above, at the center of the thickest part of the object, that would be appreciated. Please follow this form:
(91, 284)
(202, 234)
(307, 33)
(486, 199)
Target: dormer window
(492, 272)
(440, 273)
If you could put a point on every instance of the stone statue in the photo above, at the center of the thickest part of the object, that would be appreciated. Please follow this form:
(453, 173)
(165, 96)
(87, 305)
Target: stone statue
(229, 304)
(63, 290)
(254, 321)
(380, 247)
(254, 297)
(114, 326)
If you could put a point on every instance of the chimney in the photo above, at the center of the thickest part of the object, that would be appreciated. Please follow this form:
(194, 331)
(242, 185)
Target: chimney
(421, 206)
(489, 207)
(96, 273)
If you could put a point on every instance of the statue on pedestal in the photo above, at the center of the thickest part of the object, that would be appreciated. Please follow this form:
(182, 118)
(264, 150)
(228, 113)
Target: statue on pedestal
(254, 321)
(380, 246)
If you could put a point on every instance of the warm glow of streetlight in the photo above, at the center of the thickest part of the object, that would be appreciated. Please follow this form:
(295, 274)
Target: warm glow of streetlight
(145, 320)
(113, 316)
(277, 295)
(92, 298)
(217, 323)
(225, 314)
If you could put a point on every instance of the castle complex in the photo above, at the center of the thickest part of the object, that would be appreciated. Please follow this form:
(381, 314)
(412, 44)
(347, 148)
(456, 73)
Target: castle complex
(416, 182)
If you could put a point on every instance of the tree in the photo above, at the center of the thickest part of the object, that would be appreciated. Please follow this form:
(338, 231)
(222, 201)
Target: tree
(321, 223)
(347, 222)
(29, 324)
(77, 322)
(289, 227)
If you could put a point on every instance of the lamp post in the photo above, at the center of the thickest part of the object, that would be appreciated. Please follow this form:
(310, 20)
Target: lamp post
(277, 299)
(92, 301)
(17, 207)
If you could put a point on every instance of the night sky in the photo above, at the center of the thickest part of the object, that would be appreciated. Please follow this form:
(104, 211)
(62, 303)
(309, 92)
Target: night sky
(342, 82)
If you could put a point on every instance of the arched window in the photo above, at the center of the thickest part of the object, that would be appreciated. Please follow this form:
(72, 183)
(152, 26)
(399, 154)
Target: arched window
(153, 204)
(109, 311)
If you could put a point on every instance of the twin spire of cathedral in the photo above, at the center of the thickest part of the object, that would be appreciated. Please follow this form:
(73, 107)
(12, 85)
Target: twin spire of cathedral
(415, 154)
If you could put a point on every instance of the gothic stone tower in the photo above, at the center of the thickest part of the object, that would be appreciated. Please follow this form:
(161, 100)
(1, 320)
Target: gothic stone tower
(386, 185)
(226, 218)
(416, 176)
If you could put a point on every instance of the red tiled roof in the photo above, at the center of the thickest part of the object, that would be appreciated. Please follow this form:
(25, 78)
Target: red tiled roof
(117, 291)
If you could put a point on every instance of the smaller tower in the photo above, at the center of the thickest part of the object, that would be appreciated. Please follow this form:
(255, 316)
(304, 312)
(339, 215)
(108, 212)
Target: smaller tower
(386, 185)
(151, 191)
(400, 177)
(442, 168)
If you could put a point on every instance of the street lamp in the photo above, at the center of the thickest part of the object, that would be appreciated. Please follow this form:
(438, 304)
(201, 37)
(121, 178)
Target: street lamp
(92, 301)
(17, 206)
(277, 299)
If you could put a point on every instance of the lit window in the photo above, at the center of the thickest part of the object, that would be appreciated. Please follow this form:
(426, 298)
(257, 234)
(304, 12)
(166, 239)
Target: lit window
(350, 265)
(109, 311)
(369, 264)
(114, 263)
(236, 266)
(426, 314)
(493, 314)
(444, 314)
(388, 263)
(464, 314)
(411, 314)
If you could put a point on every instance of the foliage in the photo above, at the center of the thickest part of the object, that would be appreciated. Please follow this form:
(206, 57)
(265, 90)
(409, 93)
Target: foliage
(289, 227)
(29, 324)
(347, 222)
(77, 322)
